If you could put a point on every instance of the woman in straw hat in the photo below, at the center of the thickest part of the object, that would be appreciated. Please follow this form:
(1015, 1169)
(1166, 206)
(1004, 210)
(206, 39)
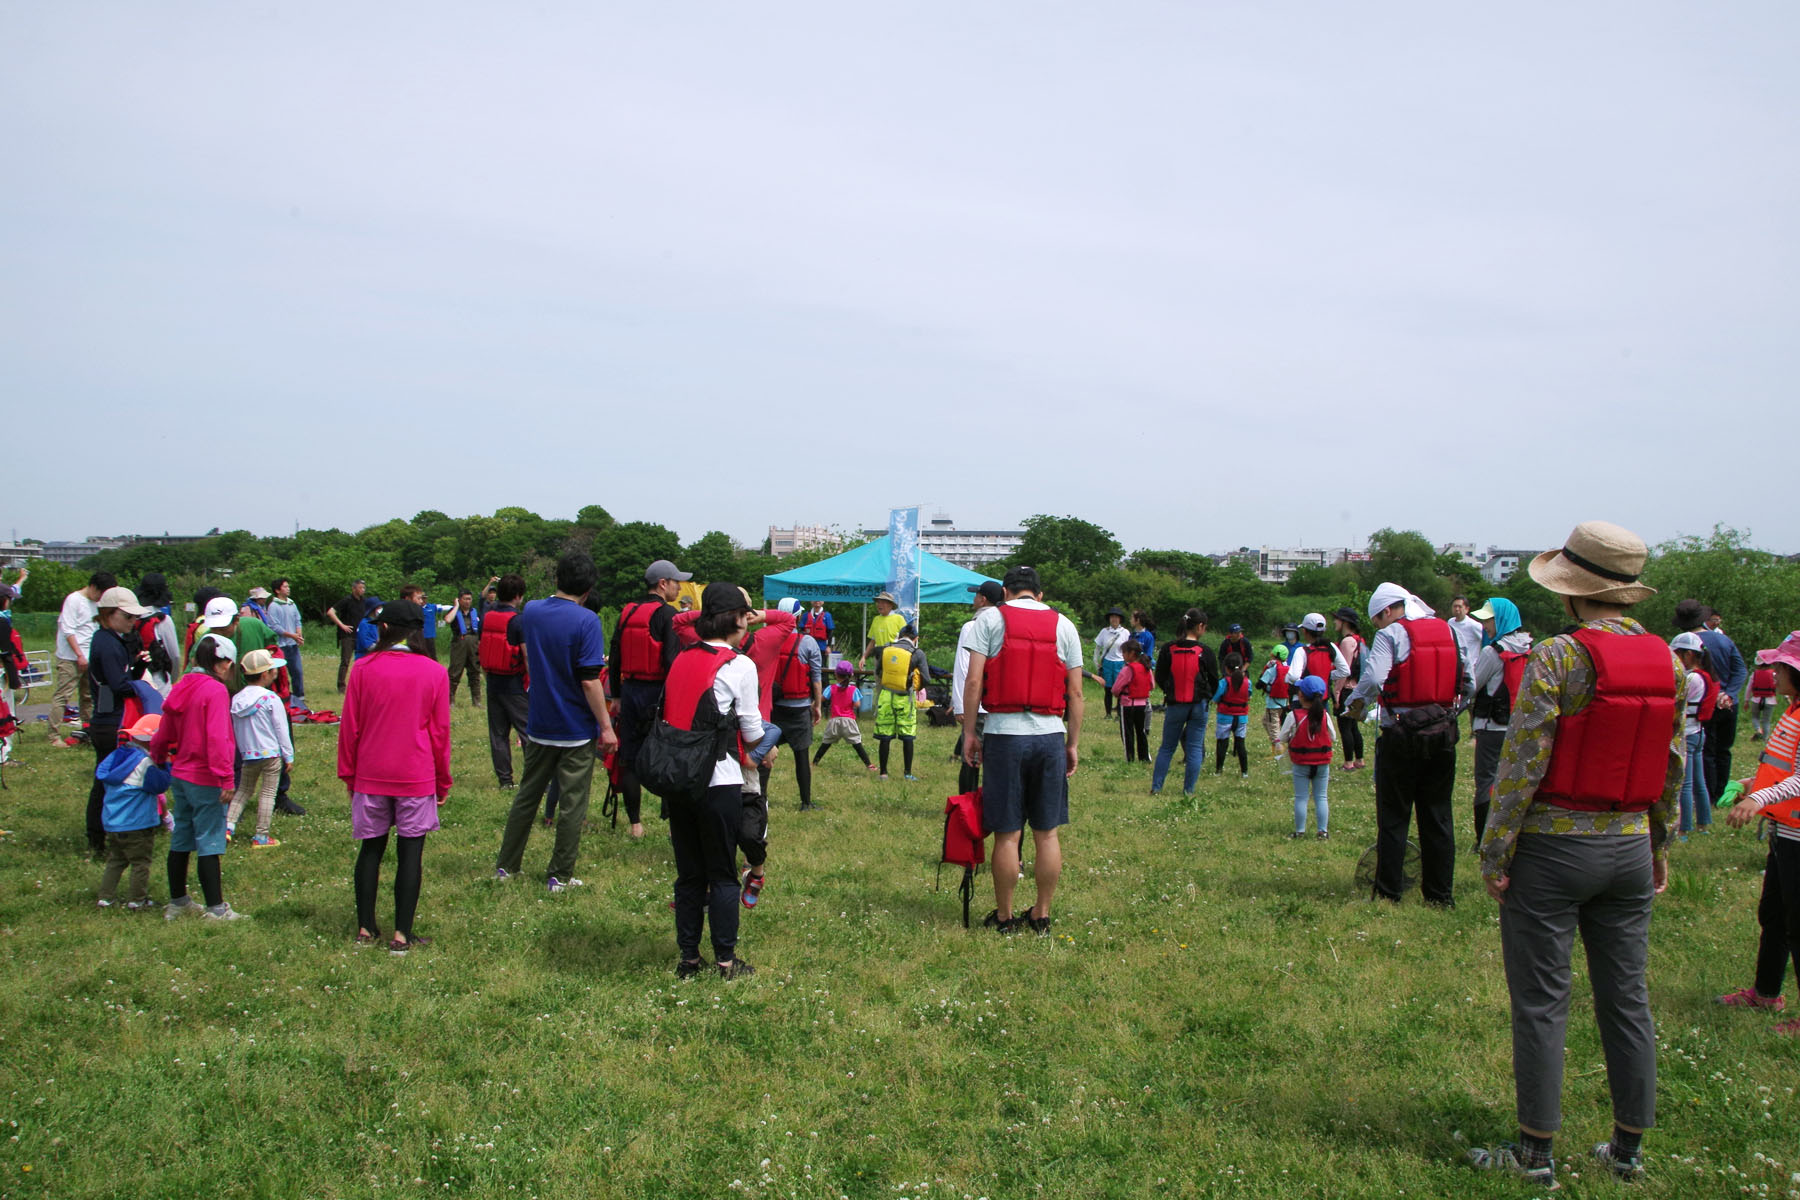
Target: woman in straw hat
(1577, 839)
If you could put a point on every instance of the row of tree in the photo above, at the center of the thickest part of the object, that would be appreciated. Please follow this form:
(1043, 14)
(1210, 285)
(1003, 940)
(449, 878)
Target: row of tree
(1084, 568)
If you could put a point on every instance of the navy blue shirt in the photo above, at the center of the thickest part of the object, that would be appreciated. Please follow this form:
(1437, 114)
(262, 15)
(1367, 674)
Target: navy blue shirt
(1726, 662)
(563, 646)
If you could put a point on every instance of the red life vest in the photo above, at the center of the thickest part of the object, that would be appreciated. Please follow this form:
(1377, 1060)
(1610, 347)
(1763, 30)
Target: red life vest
(793, 679)
(150, 643)
(1356, 658)
(1137, 687)
(1431, 672)
(640, 655)
(689, 686)
(1306, 748)
(1236, 700)
(1236, 644)
(498, 657)
(813, 625)
(1320, 661)
(1702, 710)
(1027, 675)
(1278, 683)
(1497, 706)
(1777, 763)
(1762, 684)
(1184, 667)
(1613, 755)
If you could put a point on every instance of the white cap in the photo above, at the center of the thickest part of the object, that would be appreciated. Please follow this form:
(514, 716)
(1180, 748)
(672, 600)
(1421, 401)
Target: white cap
(222, 646)
(1313, 622)
(1688, 641)
(258, 661)
(122, 598)
(220, 612)
(788, 604)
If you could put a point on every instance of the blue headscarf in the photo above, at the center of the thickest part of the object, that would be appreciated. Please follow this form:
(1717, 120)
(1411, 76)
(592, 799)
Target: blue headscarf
(1506, 618)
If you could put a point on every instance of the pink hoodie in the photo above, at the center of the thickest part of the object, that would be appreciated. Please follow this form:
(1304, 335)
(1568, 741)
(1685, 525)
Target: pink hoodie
(196, 723)
(394, 731)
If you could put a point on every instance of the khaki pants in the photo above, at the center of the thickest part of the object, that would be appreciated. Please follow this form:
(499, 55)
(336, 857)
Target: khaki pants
(465, 655)
(260, 778)
(128, 851)
(70, 681)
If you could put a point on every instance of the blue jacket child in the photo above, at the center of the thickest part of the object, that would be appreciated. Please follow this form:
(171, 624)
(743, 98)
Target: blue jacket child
(129, 814)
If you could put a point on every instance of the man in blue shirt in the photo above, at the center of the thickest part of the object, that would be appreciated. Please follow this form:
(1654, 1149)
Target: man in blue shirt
(565, 720)
(416, 594)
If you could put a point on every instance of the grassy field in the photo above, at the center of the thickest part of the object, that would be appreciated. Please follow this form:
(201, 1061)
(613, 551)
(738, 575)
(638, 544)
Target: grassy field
(1217, 1014)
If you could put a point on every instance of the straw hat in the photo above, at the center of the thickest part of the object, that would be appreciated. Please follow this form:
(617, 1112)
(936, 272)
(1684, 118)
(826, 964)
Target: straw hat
(1599, 561)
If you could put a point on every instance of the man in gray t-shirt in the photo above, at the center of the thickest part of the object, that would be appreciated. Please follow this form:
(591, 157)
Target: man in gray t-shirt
(1026, 751)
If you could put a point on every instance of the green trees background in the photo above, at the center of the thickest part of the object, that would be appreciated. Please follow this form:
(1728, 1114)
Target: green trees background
(1084, 567)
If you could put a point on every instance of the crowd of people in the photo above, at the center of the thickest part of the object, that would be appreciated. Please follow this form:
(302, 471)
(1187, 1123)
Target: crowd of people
(1594, 750)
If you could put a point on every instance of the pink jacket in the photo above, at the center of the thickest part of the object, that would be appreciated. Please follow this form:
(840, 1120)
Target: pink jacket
(394, 730)
(196, 725)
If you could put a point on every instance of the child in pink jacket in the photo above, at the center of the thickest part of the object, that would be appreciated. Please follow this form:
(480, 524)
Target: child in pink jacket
(196, 729)
(394, 757)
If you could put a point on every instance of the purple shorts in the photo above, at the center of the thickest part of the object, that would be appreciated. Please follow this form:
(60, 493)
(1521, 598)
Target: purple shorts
(373, 816)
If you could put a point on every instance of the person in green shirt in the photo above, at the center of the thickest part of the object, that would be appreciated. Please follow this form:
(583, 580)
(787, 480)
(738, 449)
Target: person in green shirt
(885, 628)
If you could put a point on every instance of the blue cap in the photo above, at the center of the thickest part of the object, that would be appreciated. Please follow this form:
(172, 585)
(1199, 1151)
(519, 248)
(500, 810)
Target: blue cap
(1312, 685)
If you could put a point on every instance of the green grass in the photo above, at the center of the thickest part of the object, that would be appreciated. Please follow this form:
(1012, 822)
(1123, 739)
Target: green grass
(1217, 1014)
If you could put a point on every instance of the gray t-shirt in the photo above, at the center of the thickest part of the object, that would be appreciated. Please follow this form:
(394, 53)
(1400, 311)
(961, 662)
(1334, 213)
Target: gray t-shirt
(986, 639)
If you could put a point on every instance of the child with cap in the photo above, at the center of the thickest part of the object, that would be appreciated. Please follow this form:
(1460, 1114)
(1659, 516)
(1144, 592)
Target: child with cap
(129, 814)
(1762, 695)
(196, 728)
(1773, 793)
(1701, 694)
(1310, 736)
(844, 700)
(1277, 696)
(260, 726)
(1132, 687)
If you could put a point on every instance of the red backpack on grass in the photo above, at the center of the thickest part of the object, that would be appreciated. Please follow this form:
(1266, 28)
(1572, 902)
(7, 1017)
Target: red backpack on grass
(965, 843)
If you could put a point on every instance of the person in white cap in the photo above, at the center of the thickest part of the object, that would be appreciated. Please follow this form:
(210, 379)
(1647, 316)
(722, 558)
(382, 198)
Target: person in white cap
(1415, 666)
(1577, 842)
(259, 725)
(112, 666)
(1699, 699)
(1317, 655)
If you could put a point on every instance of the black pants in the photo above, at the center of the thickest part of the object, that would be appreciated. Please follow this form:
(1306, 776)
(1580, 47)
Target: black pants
(1721, 732)
(638, 700)
(506, 717)
(1779, 915)
(1409, 779)
(1134, 730)
(796, 728)
(1488, 744)
(703, 830)
(104, 739)
(409, 871)
(1350, 733)
(346, 655)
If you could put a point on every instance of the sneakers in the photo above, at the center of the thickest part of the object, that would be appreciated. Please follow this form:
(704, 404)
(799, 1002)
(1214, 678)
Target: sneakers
(224, 913)
(993, 921)
(749, 888)
(554, 885)
(1296, 835)
(144, 905)
(911, 778)
(737, 968)
(184, 907)
(230, 832)
(1750, 998)
(1324, 835)
(1038, 925)
(884, 779)
(1622, 1168)
(286, 805)
(688, 968)
(873, 767)
(1788, 1028)
(1506, 1158)
(400, 945)
(263, 841)
(103, 904)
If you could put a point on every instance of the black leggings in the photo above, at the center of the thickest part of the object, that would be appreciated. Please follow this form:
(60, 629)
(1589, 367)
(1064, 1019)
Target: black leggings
(1243, 755)
(104, 739)
(906, 753)
(410, 853)
(1134, 721)
(1351, 733)
(856, 746)
(211, 885)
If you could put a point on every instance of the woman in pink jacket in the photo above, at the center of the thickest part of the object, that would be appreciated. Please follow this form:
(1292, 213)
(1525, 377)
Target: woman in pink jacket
(394, 756)
(196, 727)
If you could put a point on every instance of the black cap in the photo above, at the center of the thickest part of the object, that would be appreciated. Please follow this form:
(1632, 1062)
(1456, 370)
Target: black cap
(1235, 629)
(1116, 612)
(990, 591)
(722, 598)
(1021, 579)
(402, 614)
(1346, 613)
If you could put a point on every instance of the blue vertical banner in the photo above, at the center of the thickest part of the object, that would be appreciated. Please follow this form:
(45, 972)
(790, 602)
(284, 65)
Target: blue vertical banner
(906, 561)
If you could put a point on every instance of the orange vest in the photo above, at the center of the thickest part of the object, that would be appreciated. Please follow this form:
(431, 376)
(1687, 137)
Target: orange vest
(1777, 763)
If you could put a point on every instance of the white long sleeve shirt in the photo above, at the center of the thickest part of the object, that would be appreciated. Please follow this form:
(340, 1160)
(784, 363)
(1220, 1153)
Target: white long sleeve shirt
(1388, 647)
(736, 683)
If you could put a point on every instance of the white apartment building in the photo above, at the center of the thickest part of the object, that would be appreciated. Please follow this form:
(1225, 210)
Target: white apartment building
(964, 547)
(1466, 551)
(1502, 565)
(1274, 565)
(802, 537)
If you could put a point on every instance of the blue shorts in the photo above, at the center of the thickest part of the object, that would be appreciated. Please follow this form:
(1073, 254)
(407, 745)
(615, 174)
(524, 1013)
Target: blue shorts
(1024, 778)
(1229, 726)
(1109, 671)
(199, 818)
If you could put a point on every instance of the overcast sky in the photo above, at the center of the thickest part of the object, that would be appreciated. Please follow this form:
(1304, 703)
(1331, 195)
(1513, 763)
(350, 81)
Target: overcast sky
(1205, 274)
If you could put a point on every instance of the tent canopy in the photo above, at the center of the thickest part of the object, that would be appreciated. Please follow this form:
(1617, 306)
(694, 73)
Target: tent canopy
(856, 575)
